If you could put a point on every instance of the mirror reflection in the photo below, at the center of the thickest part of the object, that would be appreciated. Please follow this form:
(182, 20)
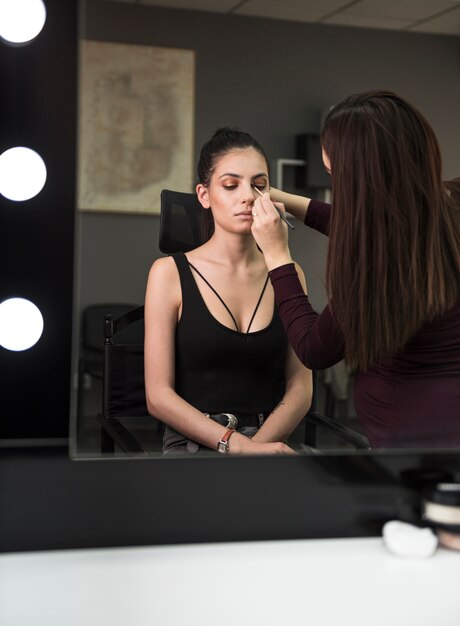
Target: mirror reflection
(117, 249)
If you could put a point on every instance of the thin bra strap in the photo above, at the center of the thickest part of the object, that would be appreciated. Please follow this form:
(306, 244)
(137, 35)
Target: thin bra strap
(212, 288)
(230, 313)
(258, 303)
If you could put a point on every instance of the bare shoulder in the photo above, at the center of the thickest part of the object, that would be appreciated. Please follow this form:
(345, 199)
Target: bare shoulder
(164, 268)
(164, 278)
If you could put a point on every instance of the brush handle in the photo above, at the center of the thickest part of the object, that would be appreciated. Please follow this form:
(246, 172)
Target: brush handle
(279, 211)
(283, 218)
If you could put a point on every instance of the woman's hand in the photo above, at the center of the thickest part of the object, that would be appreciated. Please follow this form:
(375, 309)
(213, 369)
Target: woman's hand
(270, 232)
(240, 444)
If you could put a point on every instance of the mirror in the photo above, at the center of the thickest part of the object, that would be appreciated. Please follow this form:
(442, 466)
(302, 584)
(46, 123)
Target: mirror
(274, 78)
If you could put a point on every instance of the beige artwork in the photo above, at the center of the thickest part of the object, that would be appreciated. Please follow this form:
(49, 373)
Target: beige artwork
(135, 125)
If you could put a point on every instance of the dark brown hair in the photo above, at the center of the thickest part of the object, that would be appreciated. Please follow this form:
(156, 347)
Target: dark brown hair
(222, 142)
(394, 248)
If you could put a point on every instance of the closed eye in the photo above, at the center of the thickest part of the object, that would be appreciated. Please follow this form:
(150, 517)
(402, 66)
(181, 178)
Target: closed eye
(260, 186)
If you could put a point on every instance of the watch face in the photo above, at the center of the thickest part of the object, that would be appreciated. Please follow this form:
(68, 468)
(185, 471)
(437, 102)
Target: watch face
(222, 447)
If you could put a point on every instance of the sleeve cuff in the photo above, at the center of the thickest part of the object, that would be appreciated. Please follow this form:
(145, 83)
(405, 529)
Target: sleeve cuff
(283, 270)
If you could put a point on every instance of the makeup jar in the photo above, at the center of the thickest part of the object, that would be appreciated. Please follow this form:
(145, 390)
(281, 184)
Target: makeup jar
(441, 510)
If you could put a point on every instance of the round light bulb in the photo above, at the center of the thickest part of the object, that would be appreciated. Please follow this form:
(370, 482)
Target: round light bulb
(22, 173)
(21, 324)
(21, 20)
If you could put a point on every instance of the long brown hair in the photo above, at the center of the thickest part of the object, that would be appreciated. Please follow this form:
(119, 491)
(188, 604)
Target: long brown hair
(394, 248)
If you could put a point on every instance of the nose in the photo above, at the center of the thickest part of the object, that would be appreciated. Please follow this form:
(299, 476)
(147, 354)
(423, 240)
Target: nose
(249, 195)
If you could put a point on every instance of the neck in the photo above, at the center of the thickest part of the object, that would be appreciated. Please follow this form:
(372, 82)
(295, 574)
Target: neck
(233, 249)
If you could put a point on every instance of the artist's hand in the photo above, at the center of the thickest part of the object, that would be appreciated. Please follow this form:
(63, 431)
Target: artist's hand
(270, 232)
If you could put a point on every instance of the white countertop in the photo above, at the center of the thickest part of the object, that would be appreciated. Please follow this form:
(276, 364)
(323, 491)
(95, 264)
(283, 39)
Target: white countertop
(317, 582)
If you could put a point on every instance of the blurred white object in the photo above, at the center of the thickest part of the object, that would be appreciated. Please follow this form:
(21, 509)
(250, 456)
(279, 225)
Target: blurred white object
(21, 20)
(21, 324)
(405, 539)
(22, 173)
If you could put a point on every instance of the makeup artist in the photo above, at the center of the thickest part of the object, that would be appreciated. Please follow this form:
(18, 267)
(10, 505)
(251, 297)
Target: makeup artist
(393, 271)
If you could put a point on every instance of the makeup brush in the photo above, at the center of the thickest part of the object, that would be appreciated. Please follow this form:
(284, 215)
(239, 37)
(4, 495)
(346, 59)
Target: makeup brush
(279, 211)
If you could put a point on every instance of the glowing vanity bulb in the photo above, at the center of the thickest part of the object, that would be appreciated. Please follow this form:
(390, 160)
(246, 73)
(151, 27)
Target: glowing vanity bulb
(21, 324)
(22, 173)
(21, 20)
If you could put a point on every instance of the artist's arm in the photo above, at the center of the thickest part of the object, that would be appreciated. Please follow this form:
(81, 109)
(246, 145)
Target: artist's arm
(294, 204)
(162, 309)
(316, 339)
(296, 400)
(315, 214)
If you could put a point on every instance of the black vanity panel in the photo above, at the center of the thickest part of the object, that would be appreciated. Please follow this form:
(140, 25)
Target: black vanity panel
(50, 502)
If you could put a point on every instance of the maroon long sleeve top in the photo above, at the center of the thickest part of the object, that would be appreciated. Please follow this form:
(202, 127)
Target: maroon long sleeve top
(411, 399)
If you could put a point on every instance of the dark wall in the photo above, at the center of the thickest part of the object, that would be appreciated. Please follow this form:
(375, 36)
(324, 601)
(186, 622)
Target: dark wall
(38, 110)
(274, 79)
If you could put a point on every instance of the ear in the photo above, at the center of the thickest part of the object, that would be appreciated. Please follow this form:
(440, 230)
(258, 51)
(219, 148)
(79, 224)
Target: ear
(203, 196)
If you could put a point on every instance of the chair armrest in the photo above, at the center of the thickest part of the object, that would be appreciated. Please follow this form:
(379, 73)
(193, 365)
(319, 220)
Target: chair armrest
(121, 435)
(342, 432)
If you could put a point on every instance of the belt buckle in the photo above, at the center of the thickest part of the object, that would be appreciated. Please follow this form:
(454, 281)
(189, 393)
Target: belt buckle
(232, 420)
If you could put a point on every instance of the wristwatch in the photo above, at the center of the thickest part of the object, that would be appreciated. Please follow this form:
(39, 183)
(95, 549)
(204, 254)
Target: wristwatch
(222, 446)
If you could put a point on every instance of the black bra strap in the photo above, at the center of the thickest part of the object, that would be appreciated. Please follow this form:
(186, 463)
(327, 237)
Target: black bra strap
(258, 303)
(230, 313)
(212, 288)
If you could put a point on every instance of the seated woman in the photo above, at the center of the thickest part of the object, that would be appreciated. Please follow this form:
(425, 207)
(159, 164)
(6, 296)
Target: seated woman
(214, 344)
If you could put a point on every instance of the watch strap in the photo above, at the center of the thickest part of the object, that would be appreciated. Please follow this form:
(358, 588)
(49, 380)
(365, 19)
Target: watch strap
(222, 446)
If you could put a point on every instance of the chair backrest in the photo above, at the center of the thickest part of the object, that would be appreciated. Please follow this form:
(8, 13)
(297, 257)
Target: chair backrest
(92, 337)
(181, 222)
(123, 380)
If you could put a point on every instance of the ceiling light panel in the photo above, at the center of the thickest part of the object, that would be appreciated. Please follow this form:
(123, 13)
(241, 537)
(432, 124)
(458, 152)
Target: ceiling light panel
(214, 6)
(404, 10)
(447, 24)
(298, 10)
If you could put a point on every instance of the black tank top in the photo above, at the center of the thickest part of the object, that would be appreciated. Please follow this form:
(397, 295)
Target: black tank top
(221, 369)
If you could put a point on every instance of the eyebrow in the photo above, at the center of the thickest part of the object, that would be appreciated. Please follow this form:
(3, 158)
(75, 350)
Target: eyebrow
(239, 175)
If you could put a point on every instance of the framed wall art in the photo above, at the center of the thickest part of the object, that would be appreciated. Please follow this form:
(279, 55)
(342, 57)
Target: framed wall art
(136, 121)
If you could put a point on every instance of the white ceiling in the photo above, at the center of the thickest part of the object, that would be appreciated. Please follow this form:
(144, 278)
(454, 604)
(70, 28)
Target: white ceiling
(423, 16)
